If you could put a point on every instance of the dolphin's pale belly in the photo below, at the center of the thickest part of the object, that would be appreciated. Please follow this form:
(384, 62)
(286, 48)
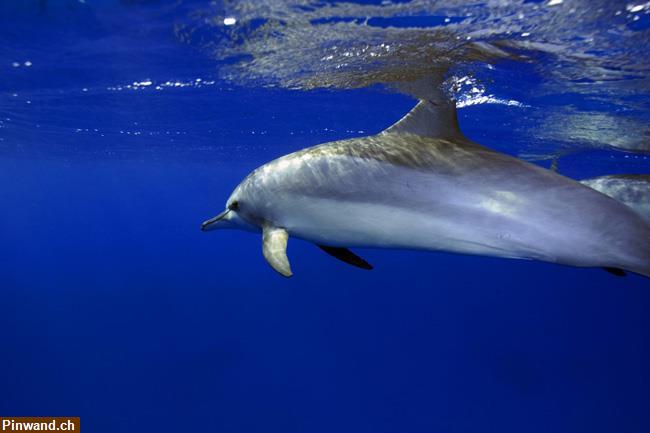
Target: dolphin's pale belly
(486, 203)
(353, 224)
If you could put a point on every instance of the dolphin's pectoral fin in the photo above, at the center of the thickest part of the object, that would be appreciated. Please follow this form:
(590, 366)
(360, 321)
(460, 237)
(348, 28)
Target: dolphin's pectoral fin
(616, 271)
(346, 256)
(274, 248)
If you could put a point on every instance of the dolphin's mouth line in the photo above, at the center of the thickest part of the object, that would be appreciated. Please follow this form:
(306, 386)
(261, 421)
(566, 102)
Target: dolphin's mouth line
(206, 224)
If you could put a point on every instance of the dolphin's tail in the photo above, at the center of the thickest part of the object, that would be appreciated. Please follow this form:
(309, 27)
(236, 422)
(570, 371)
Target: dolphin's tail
(632, 190)
(643, 270)
(642, 267)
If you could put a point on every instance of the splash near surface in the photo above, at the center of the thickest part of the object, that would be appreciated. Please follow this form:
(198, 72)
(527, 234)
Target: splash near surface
(594, 50)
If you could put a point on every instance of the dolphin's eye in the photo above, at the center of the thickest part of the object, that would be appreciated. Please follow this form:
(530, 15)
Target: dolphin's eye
(234, 205)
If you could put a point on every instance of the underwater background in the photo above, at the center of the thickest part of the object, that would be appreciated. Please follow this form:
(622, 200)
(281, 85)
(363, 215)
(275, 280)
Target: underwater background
(125, 124)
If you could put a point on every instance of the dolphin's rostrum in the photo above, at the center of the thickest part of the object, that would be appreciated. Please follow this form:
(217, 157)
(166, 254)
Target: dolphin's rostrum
(421, 184)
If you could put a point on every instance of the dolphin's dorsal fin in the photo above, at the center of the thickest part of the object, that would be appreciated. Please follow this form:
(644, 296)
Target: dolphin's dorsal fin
(274, 248)
(428, 119)
(434, 116)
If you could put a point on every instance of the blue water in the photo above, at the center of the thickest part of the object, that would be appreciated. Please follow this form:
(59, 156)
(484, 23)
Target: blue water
(116, 308)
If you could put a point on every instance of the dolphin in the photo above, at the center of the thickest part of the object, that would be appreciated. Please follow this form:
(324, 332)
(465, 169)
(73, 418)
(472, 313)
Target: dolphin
(422, 184)
(632, 190)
